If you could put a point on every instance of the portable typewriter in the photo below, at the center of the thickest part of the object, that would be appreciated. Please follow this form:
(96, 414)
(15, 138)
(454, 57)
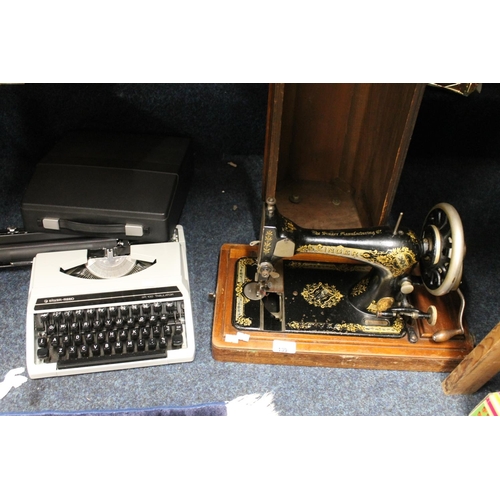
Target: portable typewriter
(127, 306)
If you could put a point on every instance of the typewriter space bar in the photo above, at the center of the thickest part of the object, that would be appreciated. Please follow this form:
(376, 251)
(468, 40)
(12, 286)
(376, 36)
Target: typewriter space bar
(112, 358)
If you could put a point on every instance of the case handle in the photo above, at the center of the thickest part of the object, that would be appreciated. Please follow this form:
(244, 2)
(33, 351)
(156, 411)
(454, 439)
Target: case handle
(87, 228)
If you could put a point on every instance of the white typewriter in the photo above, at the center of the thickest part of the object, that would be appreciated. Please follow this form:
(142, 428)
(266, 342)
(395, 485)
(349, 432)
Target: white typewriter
(110, 309)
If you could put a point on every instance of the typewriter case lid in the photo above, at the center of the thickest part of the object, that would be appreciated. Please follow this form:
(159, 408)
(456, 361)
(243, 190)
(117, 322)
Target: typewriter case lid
(111, 178)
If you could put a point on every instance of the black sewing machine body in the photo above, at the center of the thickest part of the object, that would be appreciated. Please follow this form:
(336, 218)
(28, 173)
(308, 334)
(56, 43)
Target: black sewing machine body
(302, 282)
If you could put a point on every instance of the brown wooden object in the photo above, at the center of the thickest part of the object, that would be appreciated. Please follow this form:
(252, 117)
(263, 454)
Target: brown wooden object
(340, 351)
(337, 150)
(477, 368)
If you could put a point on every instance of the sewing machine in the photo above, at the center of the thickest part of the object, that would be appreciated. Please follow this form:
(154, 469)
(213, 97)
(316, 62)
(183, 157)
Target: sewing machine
(345, 297)
(324, 286)
(368, 298)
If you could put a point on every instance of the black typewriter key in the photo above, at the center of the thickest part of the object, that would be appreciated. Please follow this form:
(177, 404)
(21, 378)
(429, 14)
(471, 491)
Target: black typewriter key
(96, 349)
(142, 320)
(72, 352)
(130, 322)
(101, 313)
(57, 315)
(164, 319)
(90, 314)
(123, 335)
(79, 315)
(84, 351)
(68, 316)
(146, 308)
(63, 328)
(61, 351)
(153, 320)
(113, 311)
(42, 353)
(42, 342)
(66, 340)
(157, 307)
(135, 310)
(123, 311)
(118, 347)
(78, 339)
(106, 348)
(145, 333)
(86, 326)
(89, 338)
(134, 334)
(112, 336)
(162, 343)
(51, 329)
(74, 327)
(152, 344)
(39, 325)
(156, 331)
(98, 323)
(129, 346)
(101, 338)
(54, 341)
(119, 322)
(108, 323)
(141, 345)
(177, 341)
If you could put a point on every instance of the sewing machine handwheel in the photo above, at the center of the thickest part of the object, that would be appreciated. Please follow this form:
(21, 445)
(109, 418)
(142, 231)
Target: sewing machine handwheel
(444, 250)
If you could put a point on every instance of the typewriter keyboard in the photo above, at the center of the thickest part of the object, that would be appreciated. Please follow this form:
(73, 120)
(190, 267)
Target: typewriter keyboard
(112, 334)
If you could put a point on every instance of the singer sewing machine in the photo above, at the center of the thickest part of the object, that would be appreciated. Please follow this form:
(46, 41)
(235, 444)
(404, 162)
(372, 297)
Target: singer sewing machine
(323, 286)
(367, 297)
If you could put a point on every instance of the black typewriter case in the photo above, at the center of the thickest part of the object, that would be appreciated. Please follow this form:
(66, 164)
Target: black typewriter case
(110, 184)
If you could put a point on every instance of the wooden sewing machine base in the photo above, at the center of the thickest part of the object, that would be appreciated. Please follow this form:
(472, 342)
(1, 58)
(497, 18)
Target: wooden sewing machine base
(340, 351)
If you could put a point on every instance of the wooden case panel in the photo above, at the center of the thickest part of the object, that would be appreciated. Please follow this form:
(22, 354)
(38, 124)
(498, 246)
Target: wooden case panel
(338, 149)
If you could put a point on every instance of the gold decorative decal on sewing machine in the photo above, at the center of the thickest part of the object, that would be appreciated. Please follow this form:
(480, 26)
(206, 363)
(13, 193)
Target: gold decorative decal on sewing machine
(243, 321)
(346, 328)
(241, 280)
(322, 295)
(413, 237)
(331, 250)
(397, 260)
(381, 305)
(289, 226)
(360, 287)
(267, 241)
(397, 327)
